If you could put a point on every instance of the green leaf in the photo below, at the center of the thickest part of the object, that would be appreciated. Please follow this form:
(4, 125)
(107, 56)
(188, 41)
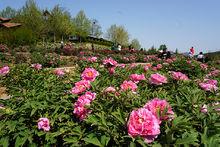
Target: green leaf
(20, 141)
(71, 140)
(142, 143)
(33, 111)
(4, 141)
(188, 138)
(132, 144)
(105, 140)
(156, 145)
(91, 139)
(118, 116)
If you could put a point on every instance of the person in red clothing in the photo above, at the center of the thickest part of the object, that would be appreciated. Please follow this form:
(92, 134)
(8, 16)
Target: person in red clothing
(192, 51)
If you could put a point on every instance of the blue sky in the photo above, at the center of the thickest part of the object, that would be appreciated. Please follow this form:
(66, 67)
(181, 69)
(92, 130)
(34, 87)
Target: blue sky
(176, 23)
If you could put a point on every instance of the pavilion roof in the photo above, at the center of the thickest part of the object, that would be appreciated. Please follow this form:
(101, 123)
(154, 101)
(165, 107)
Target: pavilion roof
(10, 24)
(4, 19)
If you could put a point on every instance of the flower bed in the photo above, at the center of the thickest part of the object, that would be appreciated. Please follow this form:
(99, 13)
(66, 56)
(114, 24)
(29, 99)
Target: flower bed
(104, 103)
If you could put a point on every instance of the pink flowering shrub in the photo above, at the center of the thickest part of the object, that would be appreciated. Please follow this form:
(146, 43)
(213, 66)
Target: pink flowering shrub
(4, 70)
(143, 123)
(157, 79)
(136, 77)
(108, 116)
(179, 76)
(44, 124)
(160, 108)
(128, 85)
(89, 74)
(80, 87)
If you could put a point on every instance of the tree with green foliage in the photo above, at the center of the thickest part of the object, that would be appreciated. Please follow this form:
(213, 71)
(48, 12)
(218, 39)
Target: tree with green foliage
(8, 12)
(118, 34)
(81, 24)
(96, 29)
(176, 51)
(59, 23)
(152, 50)
(163, 47)
(31, 17)
(135, 44)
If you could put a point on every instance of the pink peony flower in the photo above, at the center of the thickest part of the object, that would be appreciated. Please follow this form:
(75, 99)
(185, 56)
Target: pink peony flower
(133, 65)
(136, 78)
(4, 70)
(92, 59)
(59, 72)
(110, 90)
(143, 123)
(160, 108)
(159, 66)
(147, 66)
(111, 70)
(128, 85)
(208, 86)
(188, 61)
(217, 106)
(204, 66)
(89, 74)
(213, 73)
(204, 109)
(36, 66)
(80, 109)
(80, 87)
(109, 62)
(169, 60)
(154, 68)
(213, 82)
(179, 76)
(81, 112)
(157, 79)
(121, 65)
(43, 123)
(81, 53)
(85, 99)
(90, 95)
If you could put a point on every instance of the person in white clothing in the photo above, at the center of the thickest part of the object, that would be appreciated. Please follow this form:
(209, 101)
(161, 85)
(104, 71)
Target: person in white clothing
(119, 47)
(201, 57)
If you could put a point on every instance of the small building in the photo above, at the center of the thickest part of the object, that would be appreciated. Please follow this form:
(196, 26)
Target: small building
(5, 23)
